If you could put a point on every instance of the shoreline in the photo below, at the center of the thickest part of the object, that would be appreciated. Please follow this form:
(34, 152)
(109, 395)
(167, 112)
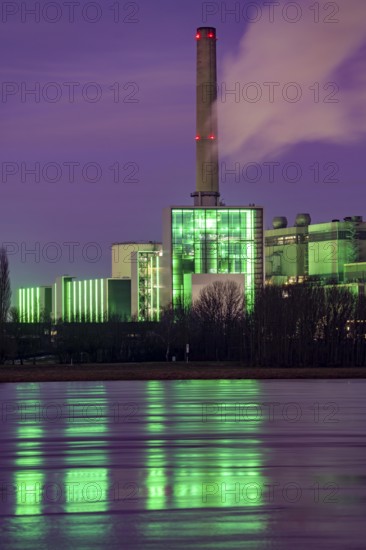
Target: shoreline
(170, 371)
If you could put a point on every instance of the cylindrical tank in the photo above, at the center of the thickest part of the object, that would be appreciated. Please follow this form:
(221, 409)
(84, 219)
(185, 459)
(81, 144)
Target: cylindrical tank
(279, 222)
(302, 220)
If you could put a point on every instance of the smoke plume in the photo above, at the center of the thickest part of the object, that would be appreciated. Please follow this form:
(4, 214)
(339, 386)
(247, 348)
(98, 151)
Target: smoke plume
(295, 82)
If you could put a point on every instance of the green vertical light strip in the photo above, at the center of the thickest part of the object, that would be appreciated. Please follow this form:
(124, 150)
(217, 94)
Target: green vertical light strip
(24, 305)
(20, 303)
(85, 301)
(32, 305)
(91, 299)
(138, 259)
(69, 297)
(157, 287)
(102, 298)
(55, 302)
(28, 306)
(96, 301)
(151, 305)
(38, 304)
(80, 308)
(249, 282)
(74, 301)
(63, 298)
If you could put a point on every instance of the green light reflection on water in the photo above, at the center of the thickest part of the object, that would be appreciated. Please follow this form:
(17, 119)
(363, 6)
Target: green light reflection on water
(28, 479)
(87, 488)
(177, 472)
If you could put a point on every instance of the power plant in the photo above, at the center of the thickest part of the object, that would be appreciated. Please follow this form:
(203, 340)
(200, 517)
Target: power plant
(205, 242)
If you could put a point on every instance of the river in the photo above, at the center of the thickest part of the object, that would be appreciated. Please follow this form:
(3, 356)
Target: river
(194, 464)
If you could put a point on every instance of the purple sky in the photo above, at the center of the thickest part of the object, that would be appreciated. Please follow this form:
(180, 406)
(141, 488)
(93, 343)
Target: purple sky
(155, 54)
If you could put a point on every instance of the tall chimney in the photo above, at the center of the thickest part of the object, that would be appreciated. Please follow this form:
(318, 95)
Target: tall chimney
(207, 164)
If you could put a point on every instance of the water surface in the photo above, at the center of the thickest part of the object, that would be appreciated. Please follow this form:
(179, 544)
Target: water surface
(197, 464)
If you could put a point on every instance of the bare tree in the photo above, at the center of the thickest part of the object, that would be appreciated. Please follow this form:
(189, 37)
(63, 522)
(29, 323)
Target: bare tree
(5, 290)
(220, 310)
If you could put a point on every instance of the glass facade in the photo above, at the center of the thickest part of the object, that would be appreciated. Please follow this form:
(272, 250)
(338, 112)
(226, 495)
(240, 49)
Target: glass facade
(217, 240)
(148, 295)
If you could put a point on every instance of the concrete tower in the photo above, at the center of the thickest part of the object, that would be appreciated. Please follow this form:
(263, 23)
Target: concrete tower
(207, 164)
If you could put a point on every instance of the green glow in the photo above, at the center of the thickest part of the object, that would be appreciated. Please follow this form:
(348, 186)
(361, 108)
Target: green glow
(85, 300)
(91, 299)
(32, 305)
(216, 240)
(29, 485)
(62, 299)
(157, 267)
(148, 285)
(87, 474)
(96, 301)
(176, 475)
(20, 303)
(28, 317)
(138, 286)
(56, 316)
(68, 291)
(28, 476)
(74, 309)
(89, 488)
(38, 304)
(102, 297)
(151, 286)
(80, 308)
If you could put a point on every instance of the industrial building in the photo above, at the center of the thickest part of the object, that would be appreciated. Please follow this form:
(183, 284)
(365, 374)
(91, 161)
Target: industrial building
(140, 263)
(209, 238)
(71, 300)
(122, 256)
(201, 243)
(324, 253)
(94, 300)
(206, 240)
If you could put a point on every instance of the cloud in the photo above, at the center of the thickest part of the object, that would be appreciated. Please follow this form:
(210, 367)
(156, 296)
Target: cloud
(327, 65)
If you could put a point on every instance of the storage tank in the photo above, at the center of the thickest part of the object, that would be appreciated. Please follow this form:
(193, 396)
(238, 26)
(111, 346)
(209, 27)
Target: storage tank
(279, 222)
(302, 220)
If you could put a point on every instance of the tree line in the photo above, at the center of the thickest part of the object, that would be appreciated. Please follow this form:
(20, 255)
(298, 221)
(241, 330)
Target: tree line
(287, 326)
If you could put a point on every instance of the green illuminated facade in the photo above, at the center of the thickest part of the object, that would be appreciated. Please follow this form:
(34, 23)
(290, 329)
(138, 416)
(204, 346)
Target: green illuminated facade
(94, 300)
(34, 304)
(201, 240)
(315, 252)
(145, 284)
(355, 272)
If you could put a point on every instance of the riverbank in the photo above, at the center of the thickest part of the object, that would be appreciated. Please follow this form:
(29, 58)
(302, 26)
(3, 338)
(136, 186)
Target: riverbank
(167, 371)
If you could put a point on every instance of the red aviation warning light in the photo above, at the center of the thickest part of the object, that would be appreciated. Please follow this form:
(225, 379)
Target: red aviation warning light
(211, 136)
(210, 35)
(198, 36)
(198, 138)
